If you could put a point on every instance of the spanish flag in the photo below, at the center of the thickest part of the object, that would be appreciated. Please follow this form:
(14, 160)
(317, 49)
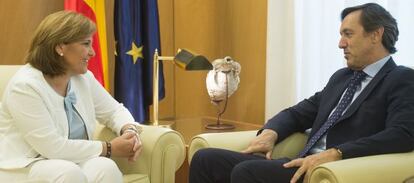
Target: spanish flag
(95, 10)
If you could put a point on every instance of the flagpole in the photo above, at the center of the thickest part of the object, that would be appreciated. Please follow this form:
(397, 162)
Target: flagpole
(155, 88)
(155, 97)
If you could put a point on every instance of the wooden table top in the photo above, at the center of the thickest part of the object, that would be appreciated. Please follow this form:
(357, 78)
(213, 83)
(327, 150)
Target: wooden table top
(193, 126)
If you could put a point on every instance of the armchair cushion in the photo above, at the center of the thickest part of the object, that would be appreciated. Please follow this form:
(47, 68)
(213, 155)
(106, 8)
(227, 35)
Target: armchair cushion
(6, 72)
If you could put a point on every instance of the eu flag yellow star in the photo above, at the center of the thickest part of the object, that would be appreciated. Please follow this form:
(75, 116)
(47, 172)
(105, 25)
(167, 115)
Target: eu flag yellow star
(135, 52)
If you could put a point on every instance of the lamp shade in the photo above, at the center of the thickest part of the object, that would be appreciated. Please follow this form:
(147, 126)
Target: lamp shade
(189, 61)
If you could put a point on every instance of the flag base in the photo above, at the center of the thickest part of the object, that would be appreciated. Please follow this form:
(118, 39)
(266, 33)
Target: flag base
(161, 123)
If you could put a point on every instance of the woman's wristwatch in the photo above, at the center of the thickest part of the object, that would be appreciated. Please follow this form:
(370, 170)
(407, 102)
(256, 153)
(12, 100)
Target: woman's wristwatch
(132, 128)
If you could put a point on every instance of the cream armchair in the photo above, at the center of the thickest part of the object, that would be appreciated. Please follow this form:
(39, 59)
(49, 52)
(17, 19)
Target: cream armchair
(163, 149)
(162, 155)
(371, 169)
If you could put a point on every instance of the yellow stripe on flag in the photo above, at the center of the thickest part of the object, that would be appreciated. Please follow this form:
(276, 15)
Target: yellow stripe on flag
(98, 6)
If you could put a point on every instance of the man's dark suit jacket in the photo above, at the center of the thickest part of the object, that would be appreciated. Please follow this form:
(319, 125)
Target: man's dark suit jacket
(379, 121)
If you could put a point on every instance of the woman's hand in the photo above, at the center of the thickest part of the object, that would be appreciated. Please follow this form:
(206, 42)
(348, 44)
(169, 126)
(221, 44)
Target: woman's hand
(137, 147)
(128, 145)
(123, 146)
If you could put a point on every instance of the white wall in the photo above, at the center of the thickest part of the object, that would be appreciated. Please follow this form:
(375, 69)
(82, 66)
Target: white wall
(280, 80)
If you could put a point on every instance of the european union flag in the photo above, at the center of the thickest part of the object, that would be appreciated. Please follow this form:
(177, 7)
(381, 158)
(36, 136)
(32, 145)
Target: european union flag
(137, 36)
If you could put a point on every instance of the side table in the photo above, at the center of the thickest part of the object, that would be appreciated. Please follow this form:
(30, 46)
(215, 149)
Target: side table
(193, 126)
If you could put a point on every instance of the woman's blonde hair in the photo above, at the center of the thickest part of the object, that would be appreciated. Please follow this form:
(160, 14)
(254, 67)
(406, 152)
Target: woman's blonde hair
(62, 27)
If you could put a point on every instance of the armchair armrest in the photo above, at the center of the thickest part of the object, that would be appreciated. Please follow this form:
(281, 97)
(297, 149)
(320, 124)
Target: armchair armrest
(235, 141)
(238, 141)
(379, 169)
(162, 154)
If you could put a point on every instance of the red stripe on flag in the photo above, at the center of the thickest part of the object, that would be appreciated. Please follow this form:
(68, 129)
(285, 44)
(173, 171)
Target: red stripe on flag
(95, 63)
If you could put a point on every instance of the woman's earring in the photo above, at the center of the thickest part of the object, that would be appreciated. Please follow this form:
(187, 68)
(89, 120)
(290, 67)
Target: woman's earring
(61, 54)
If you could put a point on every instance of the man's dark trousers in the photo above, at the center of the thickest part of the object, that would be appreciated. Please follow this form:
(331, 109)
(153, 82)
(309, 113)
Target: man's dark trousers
(220, 166)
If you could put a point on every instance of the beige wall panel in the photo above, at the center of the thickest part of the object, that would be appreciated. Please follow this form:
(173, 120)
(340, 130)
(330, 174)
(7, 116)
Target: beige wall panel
(197, 27)
(246, 43)
(217, 28)
(19, 19)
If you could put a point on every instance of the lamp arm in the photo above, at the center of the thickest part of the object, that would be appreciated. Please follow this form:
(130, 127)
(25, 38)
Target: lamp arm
(165, 58)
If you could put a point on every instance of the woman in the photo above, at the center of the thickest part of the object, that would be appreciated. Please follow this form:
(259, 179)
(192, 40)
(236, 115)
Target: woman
(50, 106)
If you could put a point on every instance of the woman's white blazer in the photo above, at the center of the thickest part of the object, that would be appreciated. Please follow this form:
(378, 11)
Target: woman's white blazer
(33, 122)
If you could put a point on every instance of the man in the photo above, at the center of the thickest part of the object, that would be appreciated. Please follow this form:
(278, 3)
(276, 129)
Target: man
(365, 109)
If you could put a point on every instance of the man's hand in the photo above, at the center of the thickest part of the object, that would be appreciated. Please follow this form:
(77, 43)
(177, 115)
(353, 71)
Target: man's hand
(307, 164)
(263, 143)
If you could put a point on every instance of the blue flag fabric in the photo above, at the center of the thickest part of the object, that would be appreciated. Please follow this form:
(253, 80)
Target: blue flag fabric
(137, 36)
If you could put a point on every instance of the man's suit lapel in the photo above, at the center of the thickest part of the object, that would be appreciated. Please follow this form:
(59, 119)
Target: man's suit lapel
(368, 89)
(334, 97)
